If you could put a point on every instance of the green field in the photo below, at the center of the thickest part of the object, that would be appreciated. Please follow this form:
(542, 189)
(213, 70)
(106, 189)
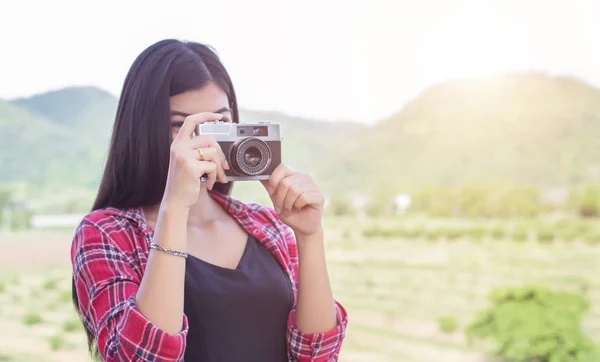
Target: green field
(395, 288)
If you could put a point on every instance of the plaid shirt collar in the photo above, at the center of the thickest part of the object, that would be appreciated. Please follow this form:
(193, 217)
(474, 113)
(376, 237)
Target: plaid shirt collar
(232, 206)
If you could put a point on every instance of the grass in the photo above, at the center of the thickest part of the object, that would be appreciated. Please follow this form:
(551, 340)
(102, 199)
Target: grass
(546, 235)
(56, 342)
(72, 324)
(520, 231)
(35, 293)
(9, 356)
(498, 232)
(52, 306)
(408, 285)
(32, 318)
(592, 237)
(50, 284)
(66, 296)
(476, 233)
(520, 234)
(405, 278)
(447, 324)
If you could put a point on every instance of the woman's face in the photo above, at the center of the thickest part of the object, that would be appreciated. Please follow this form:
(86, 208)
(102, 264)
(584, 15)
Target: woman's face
(210, 98)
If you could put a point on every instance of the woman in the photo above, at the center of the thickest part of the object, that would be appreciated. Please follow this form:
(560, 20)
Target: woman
(168, 267)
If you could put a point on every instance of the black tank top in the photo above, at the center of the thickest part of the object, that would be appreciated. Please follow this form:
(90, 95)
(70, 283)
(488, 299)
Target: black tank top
(237, 314)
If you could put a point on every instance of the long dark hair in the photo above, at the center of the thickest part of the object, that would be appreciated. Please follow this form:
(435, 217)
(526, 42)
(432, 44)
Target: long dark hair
(136, 169)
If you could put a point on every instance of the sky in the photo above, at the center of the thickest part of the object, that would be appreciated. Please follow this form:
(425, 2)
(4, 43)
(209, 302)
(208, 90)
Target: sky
(327, 59)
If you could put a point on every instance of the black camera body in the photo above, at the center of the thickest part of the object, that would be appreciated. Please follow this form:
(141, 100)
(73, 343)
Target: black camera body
(253, 150)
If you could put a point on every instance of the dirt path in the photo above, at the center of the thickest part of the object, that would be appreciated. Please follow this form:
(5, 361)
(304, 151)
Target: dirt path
(35, 250)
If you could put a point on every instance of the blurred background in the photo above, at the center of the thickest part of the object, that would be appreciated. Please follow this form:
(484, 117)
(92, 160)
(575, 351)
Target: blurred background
(458, 143)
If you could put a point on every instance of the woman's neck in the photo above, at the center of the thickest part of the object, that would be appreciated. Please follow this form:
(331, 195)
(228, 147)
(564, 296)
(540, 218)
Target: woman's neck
(202, 214)
(206, 210)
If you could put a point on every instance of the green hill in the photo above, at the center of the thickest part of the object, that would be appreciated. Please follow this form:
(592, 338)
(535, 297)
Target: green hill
(78, 107)
(531, 129)
(33, 145)
(56, 142)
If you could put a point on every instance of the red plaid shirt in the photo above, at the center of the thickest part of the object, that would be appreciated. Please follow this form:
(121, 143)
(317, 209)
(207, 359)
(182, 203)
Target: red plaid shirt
(109, 255)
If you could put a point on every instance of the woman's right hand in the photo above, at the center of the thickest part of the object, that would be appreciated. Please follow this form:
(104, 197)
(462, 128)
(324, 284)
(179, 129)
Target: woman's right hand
(186, 169)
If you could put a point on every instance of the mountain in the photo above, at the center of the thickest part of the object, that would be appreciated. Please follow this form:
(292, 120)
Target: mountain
(522, 128)
(88, 112)
(57, 141)
(33, 145)
(78, 107)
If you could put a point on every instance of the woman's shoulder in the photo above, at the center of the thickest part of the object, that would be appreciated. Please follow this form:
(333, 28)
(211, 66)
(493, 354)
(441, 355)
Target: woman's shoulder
(266, 216)
(107, 246)
(263, 212)
(113, 218)
(117, 227)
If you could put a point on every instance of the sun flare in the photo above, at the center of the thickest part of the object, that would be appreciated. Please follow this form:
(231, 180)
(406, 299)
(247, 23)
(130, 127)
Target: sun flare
(475, 48)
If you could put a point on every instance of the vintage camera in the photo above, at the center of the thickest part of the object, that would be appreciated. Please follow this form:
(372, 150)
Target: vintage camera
(253, 150)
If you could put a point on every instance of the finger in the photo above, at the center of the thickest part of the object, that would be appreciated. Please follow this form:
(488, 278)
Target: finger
(212, 154)
(202, 141)
(280, 172)
(294, 193)
(209, 169)
(312, 198)
(281, 192)
(190, 123)
(203, 168)
(208, 154)
(224, 163)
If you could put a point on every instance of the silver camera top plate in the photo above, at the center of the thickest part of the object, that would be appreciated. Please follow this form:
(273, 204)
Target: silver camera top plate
(227, 131)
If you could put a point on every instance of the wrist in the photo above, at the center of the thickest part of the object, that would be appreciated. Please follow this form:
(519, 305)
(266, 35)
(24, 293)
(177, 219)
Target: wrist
(171, 226)
(173, 209)
(311, 248)
(316, 238)
(173, 214)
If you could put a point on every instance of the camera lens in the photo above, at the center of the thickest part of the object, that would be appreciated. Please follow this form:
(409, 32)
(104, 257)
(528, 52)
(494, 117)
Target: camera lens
(250, 157)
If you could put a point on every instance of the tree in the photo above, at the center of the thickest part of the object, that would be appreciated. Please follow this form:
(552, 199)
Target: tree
(535, 324)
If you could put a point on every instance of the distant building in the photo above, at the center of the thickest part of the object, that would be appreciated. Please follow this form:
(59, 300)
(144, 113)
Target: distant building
(555, 196)
(402, 203)
(8, 215)
(56, 221)
(359, 204)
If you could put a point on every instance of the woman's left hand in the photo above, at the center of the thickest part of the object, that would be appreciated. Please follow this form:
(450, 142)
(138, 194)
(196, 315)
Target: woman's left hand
(296, 199)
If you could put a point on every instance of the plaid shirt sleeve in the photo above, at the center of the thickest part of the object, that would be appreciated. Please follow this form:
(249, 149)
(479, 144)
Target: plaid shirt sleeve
(318, 347)
(310, 347)
(106, 280)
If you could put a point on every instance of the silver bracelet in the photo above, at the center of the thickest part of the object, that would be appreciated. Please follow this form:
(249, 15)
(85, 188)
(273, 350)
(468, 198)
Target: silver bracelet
(168, 251)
